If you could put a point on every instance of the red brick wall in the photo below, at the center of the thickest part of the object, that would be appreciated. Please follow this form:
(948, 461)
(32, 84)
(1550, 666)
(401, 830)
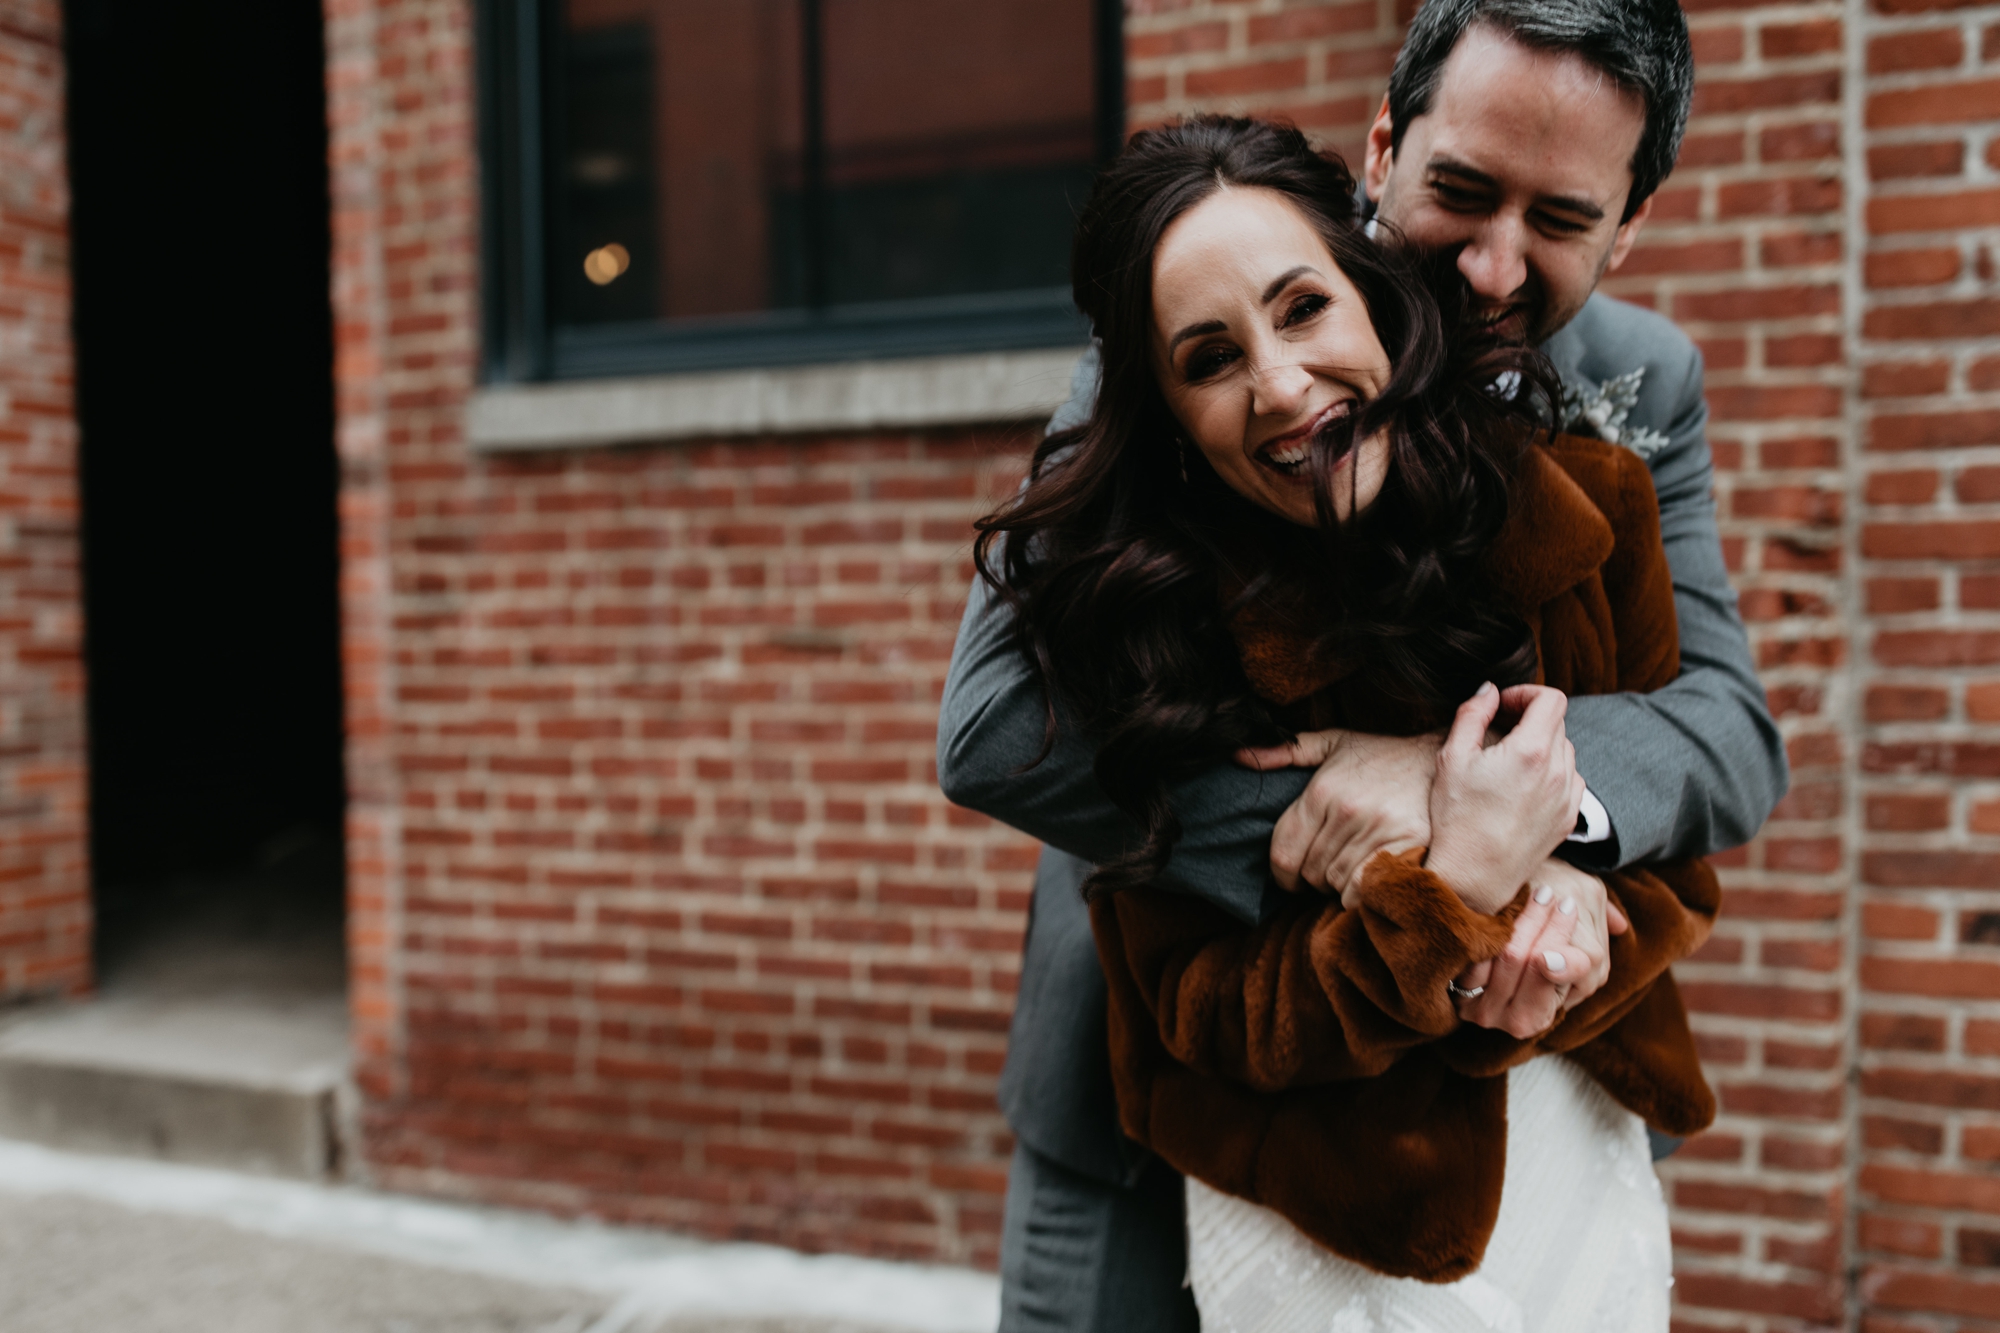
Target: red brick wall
(656, 912)
(1322, 66)
(1928, 1226)
(44, 884)
(689, 933)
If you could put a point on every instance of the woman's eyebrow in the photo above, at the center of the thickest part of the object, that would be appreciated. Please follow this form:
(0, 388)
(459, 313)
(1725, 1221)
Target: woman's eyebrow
(1195, 331)
(1283, 280)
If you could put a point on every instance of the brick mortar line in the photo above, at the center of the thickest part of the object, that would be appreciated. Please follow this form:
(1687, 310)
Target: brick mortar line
(1851, 719)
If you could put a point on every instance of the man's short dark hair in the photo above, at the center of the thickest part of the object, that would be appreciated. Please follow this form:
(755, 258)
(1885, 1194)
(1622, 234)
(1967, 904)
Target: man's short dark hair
(1642, 45)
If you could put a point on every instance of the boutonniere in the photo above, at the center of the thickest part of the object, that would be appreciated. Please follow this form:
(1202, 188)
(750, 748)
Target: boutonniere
(1601, 410)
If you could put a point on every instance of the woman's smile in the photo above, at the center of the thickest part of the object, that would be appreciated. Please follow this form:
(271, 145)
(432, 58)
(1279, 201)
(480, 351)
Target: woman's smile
(1288, 454)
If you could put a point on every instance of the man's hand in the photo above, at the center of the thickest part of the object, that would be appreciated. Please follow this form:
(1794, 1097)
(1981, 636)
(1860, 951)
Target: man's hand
(1558, 956)
(1371, 794)
(1498, 810)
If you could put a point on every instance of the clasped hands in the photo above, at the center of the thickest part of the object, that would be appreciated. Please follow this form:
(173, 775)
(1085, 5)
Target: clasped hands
(1491, 801)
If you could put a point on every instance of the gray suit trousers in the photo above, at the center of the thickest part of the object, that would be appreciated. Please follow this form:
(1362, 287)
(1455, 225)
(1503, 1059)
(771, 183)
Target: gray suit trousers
(1080, 1256)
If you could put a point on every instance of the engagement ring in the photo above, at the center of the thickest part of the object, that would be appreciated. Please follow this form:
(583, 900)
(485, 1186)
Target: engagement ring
(1458, 992)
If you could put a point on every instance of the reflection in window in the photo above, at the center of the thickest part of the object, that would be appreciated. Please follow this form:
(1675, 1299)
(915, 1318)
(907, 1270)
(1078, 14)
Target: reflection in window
(730, 157)
(607, 184)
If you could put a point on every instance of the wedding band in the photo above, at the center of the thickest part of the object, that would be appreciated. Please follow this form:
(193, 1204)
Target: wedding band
(1458, 992)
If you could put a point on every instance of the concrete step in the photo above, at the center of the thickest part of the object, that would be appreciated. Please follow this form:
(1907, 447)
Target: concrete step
(245, 1082)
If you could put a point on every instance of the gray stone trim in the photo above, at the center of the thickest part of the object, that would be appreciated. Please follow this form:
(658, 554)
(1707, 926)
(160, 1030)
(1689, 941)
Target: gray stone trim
(852, 395)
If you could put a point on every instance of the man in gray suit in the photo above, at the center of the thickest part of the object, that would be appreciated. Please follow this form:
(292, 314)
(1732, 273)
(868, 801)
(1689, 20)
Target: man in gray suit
(1485, 149)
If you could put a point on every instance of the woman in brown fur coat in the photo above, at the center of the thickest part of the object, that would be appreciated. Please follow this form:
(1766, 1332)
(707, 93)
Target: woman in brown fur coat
(1313, 495)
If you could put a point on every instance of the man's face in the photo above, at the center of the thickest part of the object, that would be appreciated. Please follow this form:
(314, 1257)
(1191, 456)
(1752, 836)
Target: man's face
(1521, 166)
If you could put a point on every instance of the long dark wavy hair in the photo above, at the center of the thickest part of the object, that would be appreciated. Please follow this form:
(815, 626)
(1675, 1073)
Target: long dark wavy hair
(1120, 558)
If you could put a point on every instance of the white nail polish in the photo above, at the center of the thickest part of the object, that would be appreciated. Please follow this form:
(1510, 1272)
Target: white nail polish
(1568, 907)
(1543, 894)
(1555, 961)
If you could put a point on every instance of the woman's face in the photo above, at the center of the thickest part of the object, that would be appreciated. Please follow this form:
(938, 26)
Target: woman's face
(1258, 340)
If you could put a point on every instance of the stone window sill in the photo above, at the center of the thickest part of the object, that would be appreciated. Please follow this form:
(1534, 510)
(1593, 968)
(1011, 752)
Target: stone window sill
(853, 395)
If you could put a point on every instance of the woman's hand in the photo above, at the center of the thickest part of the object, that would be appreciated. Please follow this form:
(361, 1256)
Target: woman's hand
(1371, 794)
(1558, 957)
(1498, 810)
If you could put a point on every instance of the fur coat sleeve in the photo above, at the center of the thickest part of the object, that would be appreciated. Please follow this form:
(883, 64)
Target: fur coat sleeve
(1222, 1034)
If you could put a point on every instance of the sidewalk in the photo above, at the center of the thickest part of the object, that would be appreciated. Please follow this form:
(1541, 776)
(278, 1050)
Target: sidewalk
(117, 1245)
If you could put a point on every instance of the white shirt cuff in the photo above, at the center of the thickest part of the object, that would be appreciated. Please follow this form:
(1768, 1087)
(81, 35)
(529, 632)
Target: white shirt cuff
(1593, 820)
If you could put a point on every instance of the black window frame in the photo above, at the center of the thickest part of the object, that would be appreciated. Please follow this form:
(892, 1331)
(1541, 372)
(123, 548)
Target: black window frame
(521, 345)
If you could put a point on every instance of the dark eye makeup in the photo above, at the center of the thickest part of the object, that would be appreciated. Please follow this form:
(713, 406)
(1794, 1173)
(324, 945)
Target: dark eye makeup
(1211, 360)
(1305, 307)
(1206, 361)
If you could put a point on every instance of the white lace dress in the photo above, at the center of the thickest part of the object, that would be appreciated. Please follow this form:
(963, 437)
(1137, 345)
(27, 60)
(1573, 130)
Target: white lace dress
(1581, 1243)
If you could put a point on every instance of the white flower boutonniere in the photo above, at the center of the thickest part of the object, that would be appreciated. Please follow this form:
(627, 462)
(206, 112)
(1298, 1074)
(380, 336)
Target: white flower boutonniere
(1602, 411)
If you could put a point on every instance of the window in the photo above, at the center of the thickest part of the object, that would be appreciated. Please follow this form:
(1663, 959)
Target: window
(697, 184)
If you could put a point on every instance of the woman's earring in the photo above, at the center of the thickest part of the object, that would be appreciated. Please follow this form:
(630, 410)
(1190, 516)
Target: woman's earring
(1180, 448)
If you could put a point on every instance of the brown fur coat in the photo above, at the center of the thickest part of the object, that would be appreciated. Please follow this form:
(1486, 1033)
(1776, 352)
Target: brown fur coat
(1315, 1063)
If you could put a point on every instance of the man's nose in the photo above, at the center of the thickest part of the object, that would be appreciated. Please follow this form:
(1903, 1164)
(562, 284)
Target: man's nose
(1278, 387)
(1495, 262)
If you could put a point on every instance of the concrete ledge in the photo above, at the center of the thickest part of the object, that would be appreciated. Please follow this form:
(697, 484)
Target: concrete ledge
(240, 1081)
(853, 395)
(273, 1132)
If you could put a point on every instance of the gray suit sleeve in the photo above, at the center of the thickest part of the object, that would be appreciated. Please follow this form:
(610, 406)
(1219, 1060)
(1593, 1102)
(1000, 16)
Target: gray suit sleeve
(990, 727)
(1697, 766)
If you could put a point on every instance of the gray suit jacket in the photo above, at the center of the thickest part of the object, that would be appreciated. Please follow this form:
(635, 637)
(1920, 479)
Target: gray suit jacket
(1685, 771)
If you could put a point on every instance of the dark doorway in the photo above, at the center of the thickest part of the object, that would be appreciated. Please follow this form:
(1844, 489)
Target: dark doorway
(204, 350)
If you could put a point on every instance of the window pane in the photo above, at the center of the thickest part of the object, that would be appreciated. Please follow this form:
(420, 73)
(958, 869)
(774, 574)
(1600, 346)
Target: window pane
(959, 144)
(693, 174)
(674, 120)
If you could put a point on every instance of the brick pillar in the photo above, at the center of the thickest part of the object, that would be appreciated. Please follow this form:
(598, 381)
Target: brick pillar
(1928, 1230)
(44, 872)
(398, 108)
